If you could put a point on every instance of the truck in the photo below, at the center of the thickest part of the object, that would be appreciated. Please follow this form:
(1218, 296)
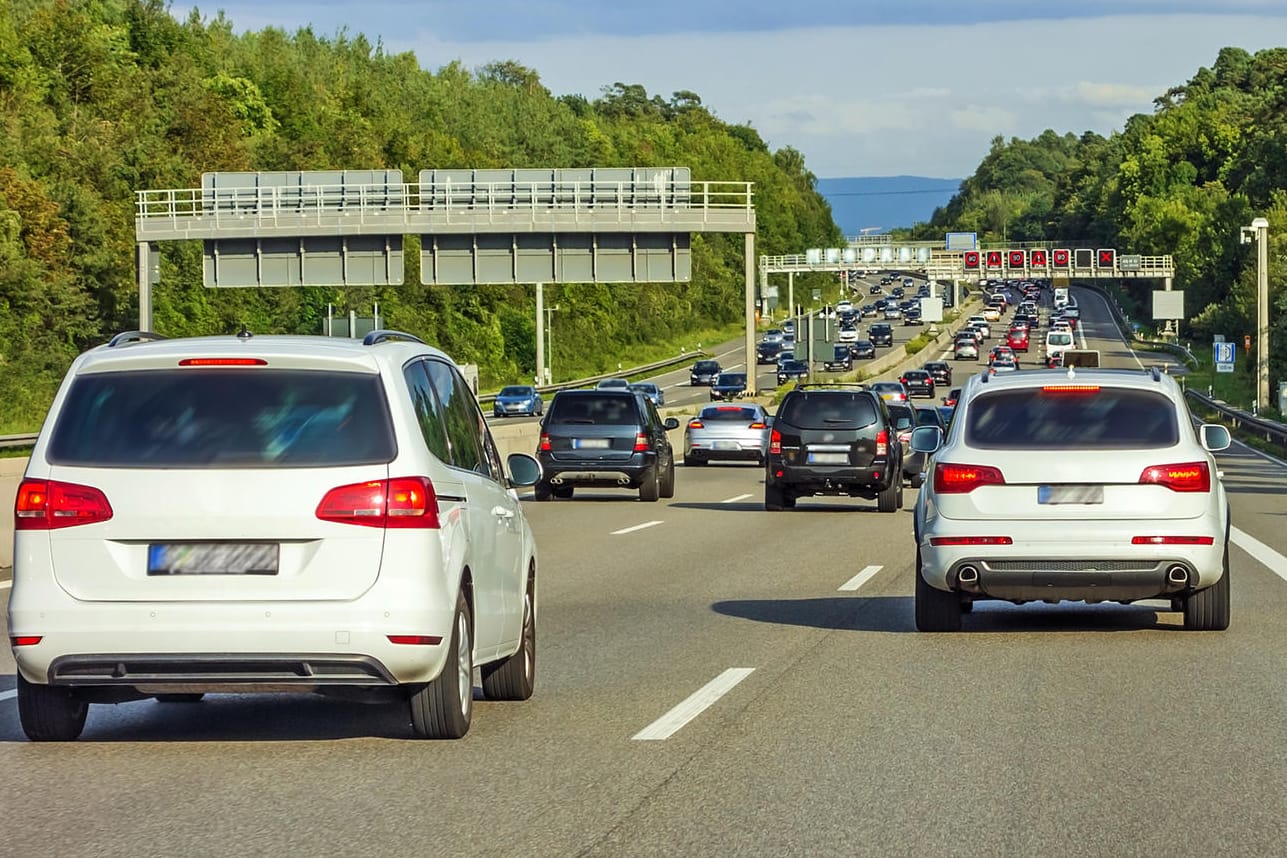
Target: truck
(1061, 297)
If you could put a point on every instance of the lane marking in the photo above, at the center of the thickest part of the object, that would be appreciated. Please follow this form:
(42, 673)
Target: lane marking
(861, 578)
(698, 702)
(1271, 559)
(5, 585)
(643, 526)
(8, 695)
(736, 499)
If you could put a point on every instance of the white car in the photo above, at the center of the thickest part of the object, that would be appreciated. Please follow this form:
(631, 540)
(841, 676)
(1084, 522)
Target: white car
(847, 335)
(1079, 485)
(270, 513)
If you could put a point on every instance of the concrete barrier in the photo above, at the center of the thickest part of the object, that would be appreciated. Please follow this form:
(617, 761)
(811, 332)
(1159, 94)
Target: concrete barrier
(10, 475)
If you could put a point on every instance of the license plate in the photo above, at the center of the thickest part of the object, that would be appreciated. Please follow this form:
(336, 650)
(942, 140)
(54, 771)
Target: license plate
(828, 458)
(726, 445)
(1070, 494)
(213, 558)
(590, 443)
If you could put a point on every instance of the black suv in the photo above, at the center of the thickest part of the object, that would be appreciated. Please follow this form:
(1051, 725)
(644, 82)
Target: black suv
(881, 333)
(605, 438)
(833, 440)
(704, 372)
(940, 370)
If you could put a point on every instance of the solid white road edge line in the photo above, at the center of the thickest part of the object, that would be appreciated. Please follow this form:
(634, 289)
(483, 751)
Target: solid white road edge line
(861, 578)
(5, 585)
(8, 695)
(698, 702)
(643, 526)
(736, 499)
(1271, 559)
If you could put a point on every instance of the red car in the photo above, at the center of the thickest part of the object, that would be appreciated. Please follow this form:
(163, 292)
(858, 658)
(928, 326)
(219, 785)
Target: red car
(1017, 339)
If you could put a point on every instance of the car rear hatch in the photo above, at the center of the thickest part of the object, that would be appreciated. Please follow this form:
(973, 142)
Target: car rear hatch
(205, 483)
(830, 430)
(594, 429)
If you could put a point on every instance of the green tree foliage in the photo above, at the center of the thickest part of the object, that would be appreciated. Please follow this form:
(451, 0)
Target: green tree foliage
(100, 99)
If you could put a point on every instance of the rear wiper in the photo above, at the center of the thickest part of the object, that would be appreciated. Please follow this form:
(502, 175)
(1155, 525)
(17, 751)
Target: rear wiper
(835, 420)
(579, 420)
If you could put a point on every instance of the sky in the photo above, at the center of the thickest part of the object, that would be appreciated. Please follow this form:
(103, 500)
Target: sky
(860, 87)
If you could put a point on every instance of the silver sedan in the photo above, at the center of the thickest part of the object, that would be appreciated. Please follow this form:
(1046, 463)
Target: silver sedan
(734, 432)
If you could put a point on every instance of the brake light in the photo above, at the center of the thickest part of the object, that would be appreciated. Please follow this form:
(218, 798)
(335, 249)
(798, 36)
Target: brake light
(756, 425)
(904, 437)
(1184, 477)
(416, 640)
(882, 442)
(1070, 389)
(950, 479)
(223, 362)
(641, 443)
(696, 424)
(51, 505)
(545, 443)
(25, 640)
(403, 502)
(775, 443)
(971, 540)
(1172, 540)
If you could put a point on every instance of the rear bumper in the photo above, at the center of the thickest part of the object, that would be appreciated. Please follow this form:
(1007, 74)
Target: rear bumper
(622, 473)
(814, 479)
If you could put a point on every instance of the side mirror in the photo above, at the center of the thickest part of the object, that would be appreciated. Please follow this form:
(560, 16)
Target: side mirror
(926, 439)
(1215, 437)
(671, 423)
(524, 470)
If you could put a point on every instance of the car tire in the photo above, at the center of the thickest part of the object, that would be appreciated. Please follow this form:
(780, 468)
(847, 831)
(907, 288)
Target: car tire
(936, 611)
(1207, 610)
(917, 480)
(195, 697)
(887, 499)
(513, 678)
(900, 494)
(667, 487)
(443, 708)
(774, 500)
(50, 713)
(649, 489)
(542, 491)
(563, 492)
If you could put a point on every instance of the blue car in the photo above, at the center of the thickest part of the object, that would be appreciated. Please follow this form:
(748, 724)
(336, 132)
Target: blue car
(518, 400)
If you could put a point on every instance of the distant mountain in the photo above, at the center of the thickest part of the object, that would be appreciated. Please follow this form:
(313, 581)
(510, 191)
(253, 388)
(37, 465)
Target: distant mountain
(885, 201)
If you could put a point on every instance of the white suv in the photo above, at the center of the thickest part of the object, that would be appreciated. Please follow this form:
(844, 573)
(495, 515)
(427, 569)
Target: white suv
(1080, 485)
(270, 513)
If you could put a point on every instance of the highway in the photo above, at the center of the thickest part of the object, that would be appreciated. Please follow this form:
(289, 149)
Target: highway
(714, 679)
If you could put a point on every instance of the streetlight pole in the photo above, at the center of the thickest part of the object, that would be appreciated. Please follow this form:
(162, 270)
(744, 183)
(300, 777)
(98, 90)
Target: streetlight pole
(540, 334)
(1259, 229)
(549, 341)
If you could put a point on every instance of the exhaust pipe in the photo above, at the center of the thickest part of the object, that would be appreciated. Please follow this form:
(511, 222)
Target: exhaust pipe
(967, 578)
(556, 481)
(1177, 576)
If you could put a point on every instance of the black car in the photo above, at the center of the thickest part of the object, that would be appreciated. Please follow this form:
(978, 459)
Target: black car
(881, 333)
(704, 372)
(605, 439)
(875, 289)
(918, 382)
(729, 385)
(767, 352)
(940, 371)
(833, 440)
(842, 359)
(862, 349)
(792, 370)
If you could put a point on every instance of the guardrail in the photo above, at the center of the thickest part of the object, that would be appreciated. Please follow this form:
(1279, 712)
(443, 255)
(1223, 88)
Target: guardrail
(7, 441)
(621, 373)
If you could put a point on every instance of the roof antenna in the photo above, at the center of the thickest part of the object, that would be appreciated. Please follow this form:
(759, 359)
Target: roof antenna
(1071, 371)
(244, 333)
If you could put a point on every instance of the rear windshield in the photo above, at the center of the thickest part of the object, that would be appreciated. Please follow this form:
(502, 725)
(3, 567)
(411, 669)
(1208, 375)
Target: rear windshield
(902, 416)
(830, 410)
(515, 391)
(595, 410)
(926, 417)
(731, 413)
(223, 418)
(1104, 419)
(706, 366)
(731, 378)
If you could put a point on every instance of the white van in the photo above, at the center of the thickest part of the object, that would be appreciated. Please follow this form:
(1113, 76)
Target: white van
(1057, 342)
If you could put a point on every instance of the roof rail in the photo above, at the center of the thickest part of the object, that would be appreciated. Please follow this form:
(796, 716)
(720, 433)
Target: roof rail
(385, 336)
(126, 337)
(824, 385)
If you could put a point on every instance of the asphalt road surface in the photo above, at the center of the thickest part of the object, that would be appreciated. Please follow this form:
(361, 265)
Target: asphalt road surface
(714, 679)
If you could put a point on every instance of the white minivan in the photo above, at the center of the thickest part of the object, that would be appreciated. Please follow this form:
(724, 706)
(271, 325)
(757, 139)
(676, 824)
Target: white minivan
(1057, 342)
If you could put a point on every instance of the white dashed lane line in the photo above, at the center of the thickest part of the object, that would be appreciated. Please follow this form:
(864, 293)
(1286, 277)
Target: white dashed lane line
(1272, 560)
(861, 578)
(8, 695)
(736, 499)
(644, 526)
(5, 585)
(697, 703)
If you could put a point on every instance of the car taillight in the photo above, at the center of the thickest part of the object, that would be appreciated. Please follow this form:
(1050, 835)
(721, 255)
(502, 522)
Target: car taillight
(1184, 477)
(904, 437)
(951, 479)
(402, 502)
(882, 442)
(25, 640)
(695, 424)
(51, 505)
(545, 443)
(1070, 389)
(415, 640)
(223, 362)
(1172, 540)
(756, 425)
(641, 443)
(775, 442)
(971, 540)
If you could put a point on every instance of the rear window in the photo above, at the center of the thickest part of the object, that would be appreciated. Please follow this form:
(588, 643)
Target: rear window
(595, 410)
(926, 417)
(1103, 419)
(728, 378)
(902, 416)
(830, 410)
(516, 391)
(730, 413)
(225, 418)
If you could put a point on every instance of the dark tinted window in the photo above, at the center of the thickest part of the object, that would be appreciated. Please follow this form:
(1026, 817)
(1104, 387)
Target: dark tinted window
(433, 423)
(225, 418)
(516, 391)
(730, 413)
(706, 366)
(600, 410)
(902, 416)
(1106, 419)
(829, 410)
(731, 378)
(927, 417)
(462, 416)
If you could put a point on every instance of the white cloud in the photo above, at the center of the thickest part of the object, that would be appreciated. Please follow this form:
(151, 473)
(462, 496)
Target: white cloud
(992, 119)
(1114, 94)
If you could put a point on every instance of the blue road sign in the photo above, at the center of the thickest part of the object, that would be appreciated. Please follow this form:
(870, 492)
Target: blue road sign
(1224, 356)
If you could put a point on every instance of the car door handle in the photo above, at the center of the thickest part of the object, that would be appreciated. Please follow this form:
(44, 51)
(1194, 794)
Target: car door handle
(502, 512)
